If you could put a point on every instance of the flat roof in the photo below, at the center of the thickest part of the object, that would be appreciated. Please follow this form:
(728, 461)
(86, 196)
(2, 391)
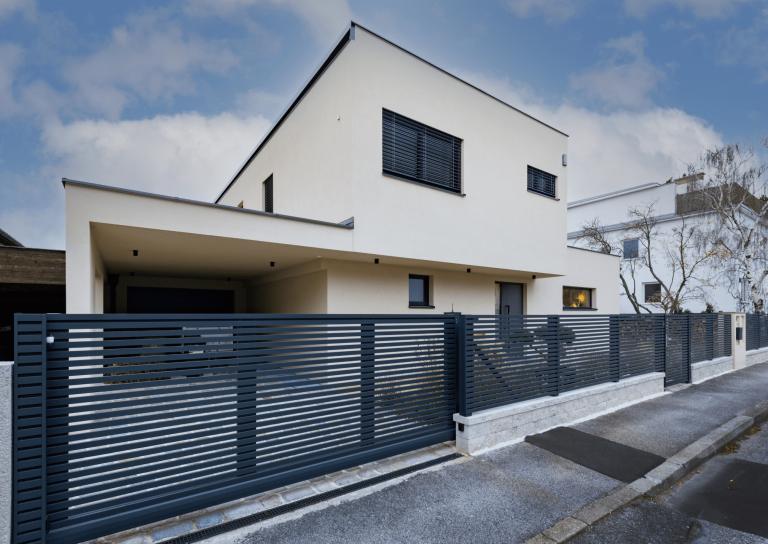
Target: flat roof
(347, 224)
(346, 36)
(615, 193)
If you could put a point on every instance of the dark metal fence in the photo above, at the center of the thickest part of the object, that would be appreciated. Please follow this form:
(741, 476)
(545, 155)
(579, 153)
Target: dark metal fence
(514, 358)
(124, 420)
(757, 331)
(127, 420)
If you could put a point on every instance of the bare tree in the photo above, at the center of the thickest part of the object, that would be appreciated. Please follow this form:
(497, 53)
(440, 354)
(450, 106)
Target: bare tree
(594, 234)
(677, 258)
(732, 189)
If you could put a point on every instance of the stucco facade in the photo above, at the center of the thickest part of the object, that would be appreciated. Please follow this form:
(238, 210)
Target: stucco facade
(325, 159)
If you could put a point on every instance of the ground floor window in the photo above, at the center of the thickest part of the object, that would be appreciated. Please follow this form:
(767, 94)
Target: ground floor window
(652, 292)
(577, 297)
(418, 290)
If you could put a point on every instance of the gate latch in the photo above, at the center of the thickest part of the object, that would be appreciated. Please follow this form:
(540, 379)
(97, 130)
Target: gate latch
(49, 339)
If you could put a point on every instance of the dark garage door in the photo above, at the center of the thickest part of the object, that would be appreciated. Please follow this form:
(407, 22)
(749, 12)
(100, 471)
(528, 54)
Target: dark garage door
(164, 300)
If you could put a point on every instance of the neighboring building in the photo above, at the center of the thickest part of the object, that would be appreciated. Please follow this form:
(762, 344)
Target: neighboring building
(387, 186)
(670, 202)
(31, 281)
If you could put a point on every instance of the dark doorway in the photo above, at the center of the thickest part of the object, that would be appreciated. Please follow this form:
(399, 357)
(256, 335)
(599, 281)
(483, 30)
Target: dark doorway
(164, 300)
(26, 298)
(510, 299)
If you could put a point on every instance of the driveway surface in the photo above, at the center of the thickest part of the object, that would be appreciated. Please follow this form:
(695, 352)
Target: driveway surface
(511, 494)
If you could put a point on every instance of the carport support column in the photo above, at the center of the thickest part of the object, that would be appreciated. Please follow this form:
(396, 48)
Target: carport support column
(739, 347)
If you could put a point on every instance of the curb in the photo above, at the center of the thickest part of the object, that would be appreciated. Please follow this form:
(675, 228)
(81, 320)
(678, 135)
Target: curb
(660, 478)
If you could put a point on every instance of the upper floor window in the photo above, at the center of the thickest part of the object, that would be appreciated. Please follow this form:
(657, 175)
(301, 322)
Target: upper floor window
(542, 182)
(631, 249)
(268, 197)
(416, 152)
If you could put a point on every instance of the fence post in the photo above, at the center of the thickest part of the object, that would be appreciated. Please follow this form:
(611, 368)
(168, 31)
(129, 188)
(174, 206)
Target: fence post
(553, 352)
(688, 351)
(460, 324)
(44, 429)
(614, 327)
(660, 333)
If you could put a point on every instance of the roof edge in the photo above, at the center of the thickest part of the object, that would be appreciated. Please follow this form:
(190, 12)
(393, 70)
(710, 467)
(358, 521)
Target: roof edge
(346, 36)
(342, 225)
(354, 24)
(628, 190)
(13, 242)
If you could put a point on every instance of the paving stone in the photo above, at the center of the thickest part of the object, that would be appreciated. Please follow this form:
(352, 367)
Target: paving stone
(135, 539)
(594, 512)
(298, 493)
(271, 501)
(391, 466)
(565, 530)
(420, 458)
(170, 531)
(443, 451)
(245, 509)
(209, 520)
(367, 473)
(324, 486)
(348, 479)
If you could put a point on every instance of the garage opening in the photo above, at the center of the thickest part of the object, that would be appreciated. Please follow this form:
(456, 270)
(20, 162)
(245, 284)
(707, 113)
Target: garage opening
(167, 300)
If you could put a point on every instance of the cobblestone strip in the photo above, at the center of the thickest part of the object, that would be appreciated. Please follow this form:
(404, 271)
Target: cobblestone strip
(202, 519)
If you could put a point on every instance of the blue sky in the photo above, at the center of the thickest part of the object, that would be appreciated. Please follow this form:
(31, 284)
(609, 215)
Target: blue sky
(169, 97)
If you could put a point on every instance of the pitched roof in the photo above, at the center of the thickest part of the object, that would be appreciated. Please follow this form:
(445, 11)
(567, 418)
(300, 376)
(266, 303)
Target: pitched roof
(347, 36)
(8, 240)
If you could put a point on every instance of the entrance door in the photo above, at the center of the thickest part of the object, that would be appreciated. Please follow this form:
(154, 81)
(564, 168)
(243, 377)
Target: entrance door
(510, 299)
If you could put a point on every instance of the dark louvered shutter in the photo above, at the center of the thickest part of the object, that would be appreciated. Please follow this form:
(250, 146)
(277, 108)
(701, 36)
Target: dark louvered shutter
(416, 152)
(268, 195)
(541, 182)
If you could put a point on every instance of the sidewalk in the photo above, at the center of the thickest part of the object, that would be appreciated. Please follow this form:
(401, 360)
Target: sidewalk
(515, 492)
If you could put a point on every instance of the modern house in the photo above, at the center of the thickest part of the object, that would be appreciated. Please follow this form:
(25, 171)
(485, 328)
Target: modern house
(31, 281)
(386, 186)
(671, 203)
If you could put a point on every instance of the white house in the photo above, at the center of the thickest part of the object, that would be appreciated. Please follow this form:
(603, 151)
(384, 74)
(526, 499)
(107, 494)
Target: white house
(612, 211)
(386, 186)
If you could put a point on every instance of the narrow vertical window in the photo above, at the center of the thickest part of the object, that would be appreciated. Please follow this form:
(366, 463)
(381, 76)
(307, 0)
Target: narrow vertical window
(418, 290)
(268, 201)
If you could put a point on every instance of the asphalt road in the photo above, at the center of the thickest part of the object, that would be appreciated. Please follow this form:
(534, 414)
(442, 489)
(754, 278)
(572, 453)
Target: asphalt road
(707, 493)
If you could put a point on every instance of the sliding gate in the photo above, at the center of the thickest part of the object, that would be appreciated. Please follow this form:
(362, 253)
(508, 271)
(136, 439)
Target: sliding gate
(124, 420)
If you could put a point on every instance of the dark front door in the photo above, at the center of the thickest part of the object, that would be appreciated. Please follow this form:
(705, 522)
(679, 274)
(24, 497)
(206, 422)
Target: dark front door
(162, 300)
(511, 299)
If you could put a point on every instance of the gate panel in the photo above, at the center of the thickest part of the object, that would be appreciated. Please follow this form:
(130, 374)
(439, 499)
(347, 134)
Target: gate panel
(678, 354)
(152, 416)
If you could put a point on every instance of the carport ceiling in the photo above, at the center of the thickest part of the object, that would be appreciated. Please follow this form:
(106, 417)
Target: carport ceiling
(186, 255)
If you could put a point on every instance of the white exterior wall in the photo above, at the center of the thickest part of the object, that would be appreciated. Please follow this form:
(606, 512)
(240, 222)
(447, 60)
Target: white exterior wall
(331, 169)
(613, 211)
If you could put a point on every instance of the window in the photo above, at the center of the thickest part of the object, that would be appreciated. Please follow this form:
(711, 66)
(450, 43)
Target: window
(418, 290)
(577, 297)
(268, 207)
(416, 152)
(652, 292)
(631, 249)
(541, 182)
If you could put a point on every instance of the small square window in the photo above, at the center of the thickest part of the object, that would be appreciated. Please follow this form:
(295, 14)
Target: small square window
(418, 290)
(577, 297)
(652, 292)
(631, 249)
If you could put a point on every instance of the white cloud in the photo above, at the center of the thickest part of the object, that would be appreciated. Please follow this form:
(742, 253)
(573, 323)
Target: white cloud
(324, 19)
(554, 11)
(261, 102)
(145, 58)
(611, 151)
(625, 78)
(9, 7)
(706, 9)
(186, 155)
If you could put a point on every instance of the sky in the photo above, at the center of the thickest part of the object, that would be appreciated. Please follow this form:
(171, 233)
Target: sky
(170, 97)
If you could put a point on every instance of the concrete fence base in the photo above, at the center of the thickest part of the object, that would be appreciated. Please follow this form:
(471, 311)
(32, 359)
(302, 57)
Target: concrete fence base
(757, 356)
(707, 369)
(506, 423)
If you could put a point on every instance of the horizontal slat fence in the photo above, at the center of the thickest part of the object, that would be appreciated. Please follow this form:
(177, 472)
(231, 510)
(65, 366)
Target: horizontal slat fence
(756, 331)
(515, 358)
(140, 418)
